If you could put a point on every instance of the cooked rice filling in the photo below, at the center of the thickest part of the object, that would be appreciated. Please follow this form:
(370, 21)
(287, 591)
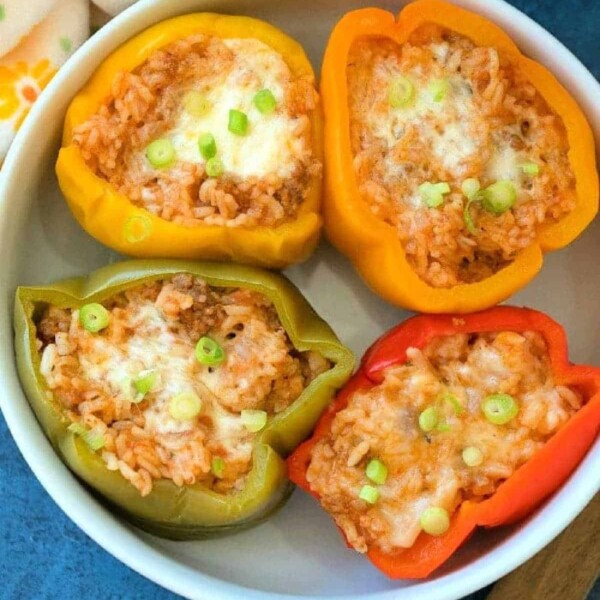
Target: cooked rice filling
(426, 468)
(156, 327)
(264, 173)
(466, 113)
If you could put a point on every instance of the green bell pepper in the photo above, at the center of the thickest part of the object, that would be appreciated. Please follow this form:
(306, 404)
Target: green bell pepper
(192, 511)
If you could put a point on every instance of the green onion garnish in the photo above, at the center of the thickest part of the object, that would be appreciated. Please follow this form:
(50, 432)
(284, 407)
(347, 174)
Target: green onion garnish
(438, 89)
(435, 520)
(207, 145)
(145, 381)
(428, 419)
(238, 122)
(214, 167)
(195, 103)
(470, 187)
(160, 153)
(185, 406)
(454, 402)
(137, 229)
(499, 197)
(468, 218)
(443, 427)
(209, 352)
(377, 471)
(530, 168)
(499, 409)
(93, 317)
(217, 466)
(254, 420)
(93, 439)
(433, 193)
(369, 494)
(264, 101)
(401, 92)
(472, 456)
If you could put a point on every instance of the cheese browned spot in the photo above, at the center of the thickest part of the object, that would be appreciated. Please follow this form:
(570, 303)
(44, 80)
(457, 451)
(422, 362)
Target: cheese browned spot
(426, 469)
(487, 124)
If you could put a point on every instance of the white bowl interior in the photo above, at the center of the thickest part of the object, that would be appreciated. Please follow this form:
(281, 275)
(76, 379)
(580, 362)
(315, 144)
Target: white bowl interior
(297, 552)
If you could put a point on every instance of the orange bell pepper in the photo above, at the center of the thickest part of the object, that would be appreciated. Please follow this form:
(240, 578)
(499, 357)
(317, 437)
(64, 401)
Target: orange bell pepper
(104, 212)
(373, 245)
(544, 473)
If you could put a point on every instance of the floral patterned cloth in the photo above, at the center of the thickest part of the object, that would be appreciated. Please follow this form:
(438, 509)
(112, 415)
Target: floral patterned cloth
(36, 38)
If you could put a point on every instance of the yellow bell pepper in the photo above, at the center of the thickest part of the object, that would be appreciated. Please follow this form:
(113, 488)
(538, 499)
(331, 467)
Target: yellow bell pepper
(373, 245)
(105, 213)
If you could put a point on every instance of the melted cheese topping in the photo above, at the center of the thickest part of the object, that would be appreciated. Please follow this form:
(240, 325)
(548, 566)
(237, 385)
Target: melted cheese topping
(446, 127)
(271, 145)
(153, 346)
(426, 469)
(439, 109)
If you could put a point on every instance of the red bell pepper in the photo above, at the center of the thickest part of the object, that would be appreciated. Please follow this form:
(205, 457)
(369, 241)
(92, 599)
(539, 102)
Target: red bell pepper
(544, 473)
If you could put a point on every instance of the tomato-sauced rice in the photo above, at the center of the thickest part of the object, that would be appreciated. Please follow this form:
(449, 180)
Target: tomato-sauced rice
(266, 172)
(453, 374)
(155, 327)
(468, 113)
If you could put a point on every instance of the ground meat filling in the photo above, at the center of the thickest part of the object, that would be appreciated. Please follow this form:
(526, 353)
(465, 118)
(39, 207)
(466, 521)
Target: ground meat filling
(156, 327)
(470, 115)
(266, 172)
(427, 469)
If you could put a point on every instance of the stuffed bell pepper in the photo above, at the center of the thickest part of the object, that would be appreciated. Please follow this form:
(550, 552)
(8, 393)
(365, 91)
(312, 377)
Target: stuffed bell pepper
(199, 138)
(453, 161)
(450, 423)
(175, 388)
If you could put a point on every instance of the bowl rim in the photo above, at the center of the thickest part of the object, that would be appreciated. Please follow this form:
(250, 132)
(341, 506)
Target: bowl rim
(118, 538)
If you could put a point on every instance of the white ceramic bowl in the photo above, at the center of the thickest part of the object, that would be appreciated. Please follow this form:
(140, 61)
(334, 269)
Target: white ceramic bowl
(298, 552)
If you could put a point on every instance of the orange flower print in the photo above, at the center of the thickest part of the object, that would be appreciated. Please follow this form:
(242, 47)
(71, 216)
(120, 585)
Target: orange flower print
(20, 85)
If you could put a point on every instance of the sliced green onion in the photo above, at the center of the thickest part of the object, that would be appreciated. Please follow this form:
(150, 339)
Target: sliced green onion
(443, 427)
(214, 167)
(499, 409)
(254, 420)
(127, 391)
(401, 92)
(185, 406)
(209, 352)
(428, 419)
(238, 122)
(196, 103)
(93, 317)
(137, 229)
(265, 102)
(439, 88)
(530, 168)
(93, 439)
(160, 153)
(470, 187)
(433, 193)
(217, 466)
(472, 456)
(377, 471)
(435, 520)
(451, 399)
(66, 44)
(145, 382)
(207, 145)
(467, 217)
(499, 197)
(369, 494)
